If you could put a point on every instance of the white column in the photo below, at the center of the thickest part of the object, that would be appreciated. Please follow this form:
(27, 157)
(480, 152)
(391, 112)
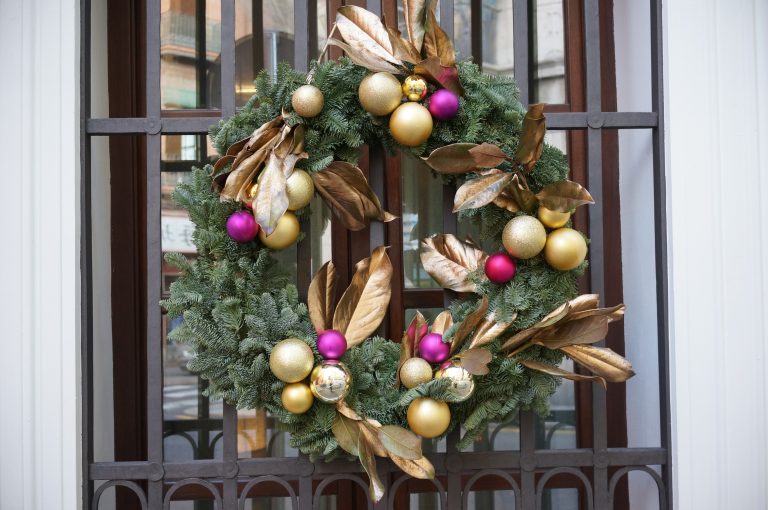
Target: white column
(39, 260)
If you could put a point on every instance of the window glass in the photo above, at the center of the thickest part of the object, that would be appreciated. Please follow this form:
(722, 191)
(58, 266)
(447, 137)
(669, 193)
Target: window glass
(549, 52)
(422, 216)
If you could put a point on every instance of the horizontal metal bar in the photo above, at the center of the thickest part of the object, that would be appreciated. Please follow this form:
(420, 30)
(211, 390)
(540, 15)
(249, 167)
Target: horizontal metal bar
(141, 126)
(614, 120)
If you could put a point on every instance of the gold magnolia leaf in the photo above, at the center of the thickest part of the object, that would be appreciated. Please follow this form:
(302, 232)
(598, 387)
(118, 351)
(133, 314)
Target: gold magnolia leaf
(436, 41)
(363, 305)
(559, 372)
(506, 201)
(400, 442)
(489, 330)
(347, 433)
(582, 331)
(488, 155)
(231, 184)
(364, 31)
(420, 468)
(613, 313)
(583, 302)
(360, 56)
(415, 13)
(455, 158)
(531, 138)
(524, 335)
(271, 200)
(347, 411)
(449, 261)
(402, 48)
(481, 191)
(601, 361)
(564, 196)
(442, 322)
(222, 162)
(468, 325)
(368, 461)
(320, 297)
(345, 189)
(475, 361)
(261, 137)
(445, 76)
(524, 197)
(369, 433)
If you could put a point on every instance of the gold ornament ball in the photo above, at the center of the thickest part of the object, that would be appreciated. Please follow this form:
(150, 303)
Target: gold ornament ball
(307, 101)
(415, 88)
(291, 360)
(285, 234)
(524, 237)
(553, 219)
(462, 383)
(566, 249)
(415, 371)
(428, 417)
(379, 93)
(300, 190)
(297, 398)
(330, 382)
(410, 124)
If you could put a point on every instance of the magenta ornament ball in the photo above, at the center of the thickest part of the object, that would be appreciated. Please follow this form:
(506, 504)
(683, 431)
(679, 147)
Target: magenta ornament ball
(433, 349)
(242, 227)
(500, 268)
(331, 344)
(443, 104)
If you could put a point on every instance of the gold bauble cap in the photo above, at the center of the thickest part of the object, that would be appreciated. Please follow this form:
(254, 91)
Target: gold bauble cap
(379, 93)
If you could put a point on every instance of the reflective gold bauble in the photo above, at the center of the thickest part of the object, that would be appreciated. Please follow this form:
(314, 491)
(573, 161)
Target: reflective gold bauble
(566, 249)
(285, 234)
(297, 398)
(553, 219)
(300, 190)
(330, 382)
(379, 93)
(410, 124)
(307, 101)
(291, 360)
(428, 417)
(415, 88)
(415, 371)
(524, 237)
(462, 383)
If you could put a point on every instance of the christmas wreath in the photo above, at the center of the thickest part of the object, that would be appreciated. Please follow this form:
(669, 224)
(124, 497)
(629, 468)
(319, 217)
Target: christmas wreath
(314, 366)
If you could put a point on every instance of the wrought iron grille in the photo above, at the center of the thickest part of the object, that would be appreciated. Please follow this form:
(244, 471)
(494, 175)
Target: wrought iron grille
(230, 479)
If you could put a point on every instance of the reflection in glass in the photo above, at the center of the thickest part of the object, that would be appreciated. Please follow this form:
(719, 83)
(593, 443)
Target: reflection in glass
(549, 52)
(422, 216)
(258, 436)
(492, 499)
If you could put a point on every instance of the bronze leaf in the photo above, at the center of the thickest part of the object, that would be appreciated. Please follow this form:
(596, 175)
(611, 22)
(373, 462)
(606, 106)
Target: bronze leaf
(400, 442)
(506, 201)
(613, 313)
(415, 13)
(370, 434)
(481, 191)
(587, 330)
(363, 30)
(488, 155)
(449, 261)
(365, 453)
(403, 49)
(475, 361)
(358, 54)
(222, 162)
(522, 195)
(436, 41)
(271, 200)
(363, 305)
(489, 330)
(347, 433)
(559, 372)
(564, 196)
(445, 76)
(420, 468)
(452, 159)
(347, 411)
(442, 322)
(320, 297)
(231, 184)
(532, 137)
(468, 325)
(601, 361)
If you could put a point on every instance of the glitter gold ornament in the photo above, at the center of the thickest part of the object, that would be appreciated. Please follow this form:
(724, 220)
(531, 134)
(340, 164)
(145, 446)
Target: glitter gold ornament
(300, 190)
(379, 93)
(553, 219)
(307, 101)
(415, 371)
(566, 249)
(410, 124)
(524, 237)
(428, 417)
(330, 382)
(285, 234)
(462, 383)
(297, 398)
(291, 360)
(415, 88)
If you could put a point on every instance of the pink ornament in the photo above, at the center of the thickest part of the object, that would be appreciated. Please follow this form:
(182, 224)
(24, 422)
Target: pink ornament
(500, 268)
(433, 349)
(331, 344)
(443, 104)
(242, 227)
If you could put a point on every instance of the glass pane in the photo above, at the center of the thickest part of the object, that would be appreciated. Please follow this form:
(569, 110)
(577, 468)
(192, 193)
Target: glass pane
(498, 37)
(492, 499)
(558, 430)
(498, 436)
(560, 499)
(558, 139)
(190, 45)
(422, 216)
(428, 313)
(258, 436)
(549, 52)
(462, 29)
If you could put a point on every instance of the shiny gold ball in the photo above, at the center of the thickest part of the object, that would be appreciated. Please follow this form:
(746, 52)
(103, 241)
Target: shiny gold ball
(428, 417)
(291, 360)
(410, 124)
(415, 371)
(379, 93)
(307, 101)
(285, 234)
(553, 219)
(566, 249)
(415, 88)
(524, 237)
(330, 383)
(462, 383)
(297, 398)
(300, 190)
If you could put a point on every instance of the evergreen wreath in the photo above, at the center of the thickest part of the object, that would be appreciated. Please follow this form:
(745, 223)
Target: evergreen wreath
(497, 348)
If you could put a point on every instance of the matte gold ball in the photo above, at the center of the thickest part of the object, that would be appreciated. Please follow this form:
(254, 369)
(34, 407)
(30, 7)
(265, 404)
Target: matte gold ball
(524, 237)
(415, 371)
(300, 190)
(307, 101)
(379, 93)
(462, 383)
(410, 124)
(291, 360)
(415, 88)
(297, 398)
(330, 383)
(566, 249)
(428, 417)
(553, 219)
(285, 234)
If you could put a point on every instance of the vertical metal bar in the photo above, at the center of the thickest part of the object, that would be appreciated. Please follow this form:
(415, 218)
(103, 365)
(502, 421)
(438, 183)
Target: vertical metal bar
(528, 458)
(228, 58)
(476, 31)
(230, 457)
(301, 34)
(520, 48)
(257, 35)
(201, 60)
